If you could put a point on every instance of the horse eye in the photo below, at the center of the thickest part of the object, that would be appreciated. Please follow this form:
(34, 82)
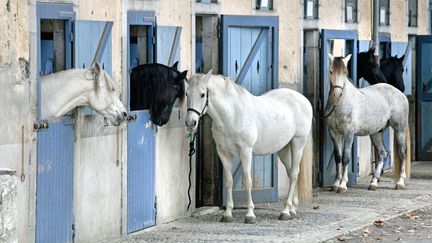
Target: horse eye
(331, 72)
(202, 95)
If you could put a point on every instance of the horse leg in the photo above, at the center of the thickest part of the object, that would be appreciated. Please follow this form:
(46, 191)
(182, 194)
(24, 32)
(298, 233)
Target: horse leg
(337, 144)
(228, 181)
(402, 148)
(378, 142)
(286, 157)
(346, 159)
(297, 145)
(246, 160)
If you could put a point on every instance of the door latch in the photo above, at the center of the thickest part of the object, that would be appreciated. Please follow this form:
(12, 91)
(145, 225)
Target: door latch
(37, 125)
(132, 117)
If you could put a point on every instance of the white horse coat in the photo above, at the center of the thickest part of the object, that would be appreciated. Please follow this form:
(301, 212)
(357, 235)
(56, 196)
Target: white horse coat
(245, 125)
(65, 90)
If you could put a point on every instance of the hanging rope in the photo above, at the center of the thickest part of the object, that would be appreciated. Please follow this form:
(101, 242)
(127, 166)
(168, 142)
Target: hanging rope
(191, 153)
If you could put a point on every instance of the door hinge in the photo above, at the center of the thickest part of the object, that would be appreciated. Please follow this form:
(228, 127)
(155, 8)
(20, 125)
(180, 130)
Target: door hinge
(72, 38)
(155, 209)
(73, 232)
(154, 40)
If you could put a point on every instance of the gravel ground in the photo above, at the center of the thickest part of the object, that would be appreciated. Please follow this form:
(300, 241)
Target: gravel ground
(329, 215)
(413, 226)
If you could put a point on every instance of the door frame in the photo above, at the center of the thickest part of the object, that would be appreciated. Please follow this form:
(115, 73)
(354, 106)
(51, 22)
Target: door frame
(328, 34)
(271, 22)
(420, 96)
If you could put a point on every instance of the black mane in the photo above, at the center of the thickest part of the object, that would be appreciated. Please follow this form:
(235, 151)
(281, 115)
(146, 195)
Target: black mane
(155, 87)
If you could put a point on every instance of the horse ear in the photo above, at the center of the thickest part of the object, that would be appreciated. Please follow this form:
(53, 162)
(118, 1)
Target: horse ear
(331, 57)
(371, 49)
(401, 59)
(175, 66)
(210, 72)
(181, 76)
(346, 60)
(97, 68)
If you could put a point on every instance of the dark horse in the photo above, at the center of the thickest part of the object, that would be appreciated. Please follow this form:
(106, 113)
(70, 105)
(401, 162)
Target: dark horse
(390, 70)
(156, 87)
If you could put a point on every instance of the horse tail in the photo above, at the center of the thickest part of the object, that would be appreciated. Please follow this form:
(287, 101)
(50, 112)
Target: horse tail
(304, 181)
(397, 159)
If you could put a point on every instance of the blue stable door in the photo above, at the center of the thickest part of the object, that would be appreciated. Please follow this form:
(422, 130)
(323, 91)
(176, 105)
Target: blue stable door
(141, 139)
(54, 171)
(249, 47)
(424, 97)
(338, 43)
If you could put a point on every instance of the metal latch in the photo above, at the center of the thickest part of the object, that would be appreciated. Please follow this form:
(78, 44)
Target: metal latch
(131, 117)
(37, 125)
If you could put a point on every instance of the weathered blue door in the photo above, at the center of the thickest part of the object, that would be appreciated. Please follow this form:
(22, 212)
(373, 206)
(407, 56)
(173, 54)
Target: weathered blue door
(337, 42)
(250, 47)
(141, 204)
(54, 181)
(424, 97)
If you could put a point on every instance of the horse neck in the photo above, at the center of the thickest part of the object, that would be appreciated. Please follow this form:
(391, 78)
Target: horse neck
(63, 91)
(350, 91)
(222, 105)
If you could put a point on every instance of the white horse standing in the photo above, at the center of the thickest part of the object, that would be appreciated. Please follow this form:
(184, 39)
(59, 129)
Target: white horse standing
(366, 111)
(65, 90)
(245, 125)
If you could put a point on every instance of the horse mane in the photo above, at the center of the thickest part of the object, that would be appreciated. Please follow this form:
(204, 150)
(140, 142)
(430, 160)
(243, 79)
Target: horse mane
(339, 66)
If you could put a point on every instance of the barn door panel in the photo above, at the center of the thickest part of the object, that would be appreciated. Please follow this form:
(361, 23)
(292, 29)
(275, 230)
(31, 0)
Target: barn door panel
(54, 191)
(54, 175)
(141, 139)
(338, 43)
(424, 97)
(248, 59)
(168, 44)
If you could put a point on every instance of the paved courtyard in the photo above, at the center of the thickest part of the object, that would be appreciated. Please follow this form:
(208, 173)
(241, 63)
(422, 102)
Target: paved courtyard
(328, 216)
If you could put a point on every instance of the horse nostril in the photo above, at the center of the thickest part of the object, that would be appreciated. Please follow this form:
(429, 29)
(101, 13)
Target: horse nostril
(124, 113)
(194, 123)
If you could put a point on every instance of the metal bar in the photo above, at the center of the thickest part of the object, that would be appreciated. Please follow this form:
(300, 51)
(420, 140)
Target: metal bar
(407, 52)
(263, 34)
(375, 27)
(102, 42)
(174, 46)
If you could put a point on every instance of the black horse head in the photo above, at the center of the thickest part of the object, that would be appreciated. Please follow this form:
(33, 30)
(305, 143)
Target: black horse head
(368, 69)
(393, 69)
(156, 87)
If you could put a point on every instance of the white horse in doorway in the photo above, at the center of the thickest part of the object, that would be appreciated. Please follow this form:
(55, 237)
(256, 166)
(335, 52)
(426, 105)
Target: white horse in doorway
(367, 111)
(65, 90)
(245, 125)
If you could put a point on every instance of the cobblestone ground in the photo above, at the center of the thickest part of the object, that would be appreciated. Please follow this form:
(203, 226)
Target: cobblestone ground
(329, 215)
(413, 226)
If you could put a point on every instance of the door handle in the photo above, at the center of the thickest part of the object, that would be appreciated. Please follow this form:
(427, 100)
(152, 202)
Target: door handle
(132, 117)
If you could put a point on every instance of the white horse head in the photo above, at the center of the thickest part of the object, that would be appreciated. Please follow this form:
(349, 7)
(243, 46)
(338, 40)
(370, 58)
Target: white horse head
(338, 76)
(63, 91)
(197, 99)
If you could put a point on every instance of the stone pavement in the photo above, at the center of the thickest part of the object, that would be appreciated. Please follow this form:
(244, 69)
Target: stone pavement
(334, 214)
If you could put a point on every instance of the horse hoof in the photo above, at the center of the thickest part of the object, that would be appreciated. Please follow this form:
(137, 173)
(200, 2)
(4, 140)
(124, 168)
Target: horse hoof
(284, 216)
(226, 218)
(400, 187)
(334, 188)
(250, 220)
(342, 190)
(372, 188)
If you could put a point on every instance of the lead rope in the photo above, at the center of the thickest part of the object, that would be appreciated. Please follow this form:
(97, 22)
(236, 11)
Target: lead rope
(192, 151)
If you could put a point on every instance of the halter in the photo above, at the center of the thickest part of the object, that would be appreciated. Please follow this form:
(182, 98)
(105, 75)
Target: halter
(334, 106)
(202, 111)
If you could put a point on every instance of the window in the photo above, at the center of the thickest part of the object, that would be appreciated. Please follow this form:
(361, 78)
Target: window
(311, 9)
(351, 11)
(206, 1)
(412, 13)
(264, 5)
(384, 12)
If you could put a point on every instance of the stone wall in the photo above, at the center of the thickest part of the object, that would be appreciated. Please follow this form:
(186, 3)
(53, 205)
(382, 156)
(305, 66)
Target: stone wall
(8, 210)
